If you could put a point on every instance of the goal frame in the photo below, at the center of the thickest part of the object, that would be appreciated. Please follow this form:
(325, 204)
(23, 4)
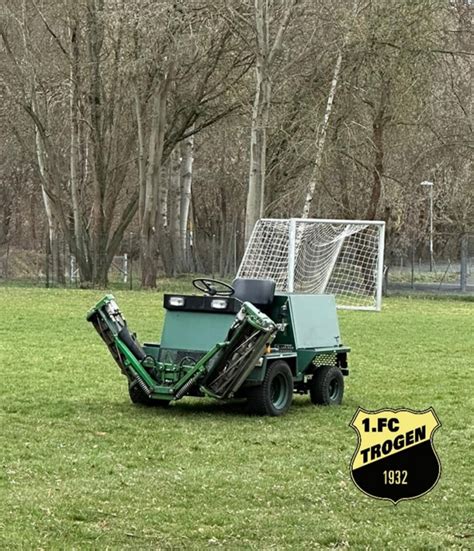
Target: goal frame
(292, 224)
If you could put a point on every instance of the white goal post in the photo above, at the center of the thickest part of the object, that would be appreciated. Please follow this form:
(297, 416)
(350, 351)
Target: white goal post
(315, 256)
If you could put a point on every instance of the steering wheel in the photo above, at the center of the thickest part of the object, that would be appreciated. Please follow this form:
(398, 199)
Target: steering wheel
(207, 286)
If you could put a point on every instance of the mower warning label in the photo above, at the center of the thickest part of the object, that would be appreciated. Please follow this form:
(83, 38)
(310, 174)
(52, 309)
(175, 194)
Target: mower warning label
(395, 458)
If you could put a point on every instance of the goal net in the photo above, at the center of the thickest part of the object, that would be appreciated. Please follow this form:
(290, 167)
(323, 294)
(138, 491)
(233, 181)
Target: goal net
(311, 256)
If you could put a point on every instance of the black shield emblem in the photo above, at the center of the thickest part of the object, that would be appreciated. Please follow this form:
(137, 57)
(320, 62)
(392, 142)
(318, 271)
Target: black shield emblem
(395, 458)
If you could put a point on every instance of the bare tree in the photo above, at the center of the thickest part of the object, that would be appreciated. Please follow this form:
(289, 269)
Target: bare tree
(87, 200)
(150, 160)
(182, 96)
(266, 50)
(136, 115)
(323, 130)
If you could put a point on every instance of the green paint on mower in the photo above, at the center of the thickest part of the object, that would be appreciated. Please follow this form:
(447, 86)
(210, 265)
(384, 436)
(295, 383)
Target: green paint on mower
(239, 341)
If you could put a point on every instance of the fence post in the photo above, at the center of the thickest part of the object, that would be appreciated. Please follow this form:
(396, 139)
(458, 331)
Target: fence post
(464, 255)
(125, 267)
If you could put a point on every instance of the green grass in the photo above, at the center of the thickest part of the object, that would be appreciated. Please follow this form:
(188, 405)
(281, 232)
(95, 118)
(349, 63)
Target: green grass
(397, 276)
(83, 468)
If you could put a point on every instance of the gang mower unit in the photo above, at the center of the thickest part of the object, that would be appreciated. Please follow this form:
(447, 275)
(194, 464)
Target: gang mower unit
(239, 341)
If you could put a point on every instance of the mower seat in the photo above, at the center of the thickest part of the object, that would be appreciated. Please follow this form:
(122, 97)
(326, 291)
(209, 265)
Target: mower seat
(260, 292)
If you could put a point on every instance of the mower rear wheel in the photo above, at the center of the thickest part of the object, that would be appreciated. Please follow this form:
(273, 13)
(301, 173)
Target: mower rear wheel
(274, 396)
(138, 396)
(327, 386)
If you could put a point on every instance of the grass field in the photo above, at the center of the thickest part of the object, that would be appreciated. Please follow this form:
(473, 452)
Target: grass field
(81, 468)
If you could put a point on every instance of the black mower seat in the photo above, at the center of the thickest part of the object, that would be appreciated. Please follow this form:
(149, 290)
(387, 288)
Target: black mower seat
(259, 292)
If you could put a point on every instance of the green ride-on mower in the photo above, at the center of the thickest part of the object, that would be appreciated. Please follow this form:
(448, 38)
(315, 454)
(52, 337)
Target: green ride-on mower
(239, 341)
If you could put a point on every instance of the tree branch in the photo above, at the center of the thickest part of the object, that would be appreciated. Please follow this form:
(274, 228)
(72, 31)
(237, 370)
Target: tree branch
(50, 30)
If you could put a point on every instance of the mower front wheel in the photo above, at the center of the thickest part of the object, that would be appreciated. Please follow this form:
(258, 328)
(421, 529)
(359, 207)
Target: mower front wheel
(138, 396)
(274, 396)
(327, 386)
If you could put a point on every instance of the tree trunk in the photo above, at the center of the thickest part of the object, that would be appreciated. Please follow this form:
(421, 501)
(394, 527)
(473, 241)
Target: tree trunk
(325, 124)
(378, 127)
(186, 185)
(148, 199)
(265, 56)
(322, 138)
(174, 206)
(258, 144)
(48, 207)
(151, 217)
(223, 238)
(6, 202)
(95, 38)
(78, 244)
(377, 138)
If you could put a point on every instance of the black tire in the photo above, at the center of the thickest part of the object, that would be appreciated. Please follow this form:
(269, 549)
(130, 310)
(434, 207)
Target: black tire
(138, 396)
(327, 386)
(274, 396)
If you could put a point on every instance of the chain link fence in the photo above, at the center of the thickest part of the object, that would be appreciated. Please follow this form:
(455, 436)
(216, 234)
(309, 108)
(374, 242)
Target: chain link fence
(218, 255)
(205, 252)
(450, 267)
(25, 267)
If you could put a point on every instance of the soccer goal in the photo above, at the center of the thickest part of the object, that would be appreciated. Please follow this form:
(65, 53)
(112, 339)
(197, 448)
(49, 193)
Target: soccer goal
(312, 256)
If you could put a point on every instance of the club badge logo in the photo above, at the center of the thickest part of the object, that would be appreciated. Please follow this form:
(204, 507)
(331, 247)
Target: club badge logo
(395, 458)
